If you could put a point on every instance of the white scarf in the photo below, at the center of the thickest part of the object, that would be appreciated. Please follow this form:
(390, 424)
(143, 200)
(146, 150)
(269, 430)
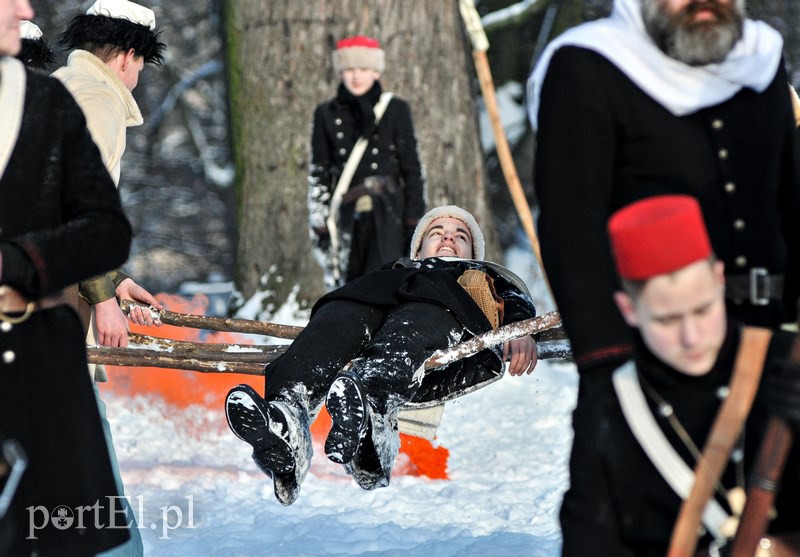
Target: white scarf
(678, 87)
(12, 101)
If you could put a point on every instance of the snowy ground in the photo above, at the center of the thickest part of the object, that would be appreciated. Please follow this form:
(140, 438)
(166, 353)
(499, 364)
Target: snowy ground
(195, 490)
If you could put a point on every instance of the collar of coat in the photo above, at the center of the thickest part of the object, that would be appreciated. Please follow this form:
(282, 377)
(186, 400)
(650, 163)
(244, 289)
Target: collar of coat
(91, 65)
(682, 89)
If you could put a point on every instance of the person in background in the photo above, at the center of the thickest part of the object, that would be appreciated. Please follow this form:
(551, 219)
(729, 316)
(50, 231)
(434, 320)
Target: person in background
(620, 502)
(57, 199)
(675, 96)
(110, 44)
(387, 323)
(362, 217)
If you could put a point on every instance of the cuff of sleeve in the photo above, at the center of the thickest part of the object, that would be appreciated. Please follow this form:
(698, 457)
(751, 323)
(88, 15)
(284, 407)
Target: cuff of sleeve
(98, 289)
(117, 277)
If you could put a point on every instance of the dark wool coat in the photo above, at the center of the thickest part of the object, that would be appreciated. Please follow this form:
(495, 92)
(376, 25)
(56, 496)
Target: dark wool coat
(617, 503)
(435, 281)
(392, 151)
(603, 143)
(60, 222)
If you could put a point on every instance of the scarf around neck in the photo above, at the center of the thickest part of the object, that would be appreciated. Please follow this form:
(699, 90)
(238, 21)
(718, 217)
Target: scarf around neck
(362, 107)
(680, 88)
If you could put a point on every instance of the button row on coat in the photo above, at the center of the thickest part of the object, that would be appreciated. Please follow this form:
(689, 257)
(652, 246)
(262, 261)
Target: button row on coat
(730, 188)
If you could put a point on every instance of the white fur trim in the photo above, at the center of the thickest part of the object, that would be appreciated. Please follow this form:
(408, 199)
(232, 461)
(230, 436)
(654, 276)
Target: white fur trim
(455, 212)
(29, 30)
(123, 9)
(358, 57)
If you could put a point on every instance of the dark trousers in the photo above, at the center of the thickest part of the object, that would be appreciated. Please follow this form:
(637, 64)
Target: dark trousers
(386, 346)
(365, 253)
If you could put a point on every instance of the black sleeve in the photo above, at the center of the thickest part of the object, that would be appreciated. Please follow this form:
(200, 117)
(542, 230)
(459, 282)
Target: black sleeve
(82, 230)
(319, 171)
(410, 166)
(574, 175)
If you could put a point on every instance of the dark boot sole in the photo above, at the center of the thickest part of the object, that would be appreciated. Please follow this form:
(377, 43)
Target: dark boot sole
(249, 417)
(348, 409)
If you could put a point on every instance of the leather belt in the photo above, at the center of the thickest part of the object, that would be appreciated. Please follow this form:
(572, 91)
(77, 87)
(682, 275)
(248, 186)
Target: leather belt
(372, 185)
(12, 302)
(758, 287)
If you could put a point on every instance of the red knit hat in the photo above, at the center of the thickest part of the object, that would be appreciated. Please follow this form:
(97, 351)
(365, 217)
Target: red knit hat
(358, 52)
(658, 235)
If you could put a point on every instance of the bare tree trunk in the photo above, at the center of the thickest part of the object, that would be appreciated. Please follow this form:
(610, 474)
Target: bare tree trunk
(280, 69)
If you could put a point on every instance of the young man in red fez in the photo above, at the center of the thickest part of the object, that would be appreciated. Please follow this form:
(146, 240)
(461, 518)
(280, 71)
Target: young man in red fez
(637, 442)
(366, 184)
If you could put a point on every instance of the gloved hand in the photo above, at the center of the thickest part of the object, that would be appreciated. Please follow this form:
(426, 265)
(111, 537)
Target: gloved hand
(779, 392)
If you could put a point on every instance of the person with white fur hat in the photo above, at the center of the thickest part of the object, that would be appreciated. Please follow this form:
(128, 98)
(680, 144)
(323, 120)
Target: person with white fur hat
(387, 323)
(110, 45)
(366, 183)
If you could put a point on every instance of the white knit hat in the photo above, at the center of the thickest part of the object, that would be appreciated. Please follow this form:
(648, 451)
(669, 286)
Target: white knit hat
(122, 9)
(452, 211)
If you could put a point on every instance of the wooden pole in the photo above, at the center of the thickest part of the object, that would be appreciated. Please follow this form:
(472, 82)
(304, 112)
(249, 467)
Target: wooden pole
(146, 351)
(226, 324)
(480, 44)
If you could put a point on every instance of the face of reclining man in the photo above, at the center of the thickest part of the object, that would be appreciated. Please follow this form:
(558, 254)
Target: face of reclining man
(447, 237)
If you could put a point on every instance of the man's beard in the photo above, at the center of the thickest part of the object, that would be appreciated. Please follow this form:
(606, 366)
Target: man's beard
(694, 43)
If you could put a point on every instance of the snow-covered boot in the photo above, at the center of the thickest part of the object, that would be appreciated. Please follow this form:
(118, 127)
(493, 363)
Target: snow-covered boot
(281, 441)
(371, 467)
(350, 414)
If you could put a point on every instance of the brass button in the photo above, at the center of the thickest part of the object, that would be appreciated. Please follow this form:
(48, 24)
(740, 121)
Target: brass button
(9, 357)
(717, 124)
(6, 327)
(338, 121)
(342, 151)
(739, 224)
(339, 135)
(374, 150)
(374, 166)
(741, 261)
(730, 187)
(723, 154)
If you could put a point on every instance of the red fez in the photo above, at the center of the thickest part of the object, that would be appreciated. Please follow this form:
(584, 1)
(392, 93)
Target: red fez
(658, 235)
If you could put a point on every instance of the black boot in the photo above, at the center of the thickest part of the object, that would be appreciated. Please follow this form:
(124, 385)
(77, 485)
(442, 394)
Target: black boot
(350, 414)
(281, 441)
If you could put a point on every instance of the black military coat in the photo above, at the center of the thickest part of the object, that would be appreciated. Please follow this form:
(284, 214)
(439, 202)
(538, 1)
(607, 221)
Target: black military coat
(392, 151)
(617, 503)
(603, 143)
(60, 222)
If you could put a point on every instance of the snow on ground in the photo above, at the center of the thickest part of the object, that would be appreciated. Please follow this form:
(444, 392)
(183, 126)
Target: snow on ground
(195, 490)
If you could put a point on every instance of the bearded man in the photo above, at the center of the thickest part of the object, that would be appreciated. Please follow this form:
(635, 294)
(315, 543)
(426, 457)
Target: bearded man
(665, 96)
